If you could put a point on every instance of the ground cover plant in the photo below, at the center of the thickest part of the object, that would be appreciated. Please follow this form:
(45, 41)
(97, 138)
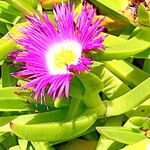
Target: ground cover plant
(74, 75)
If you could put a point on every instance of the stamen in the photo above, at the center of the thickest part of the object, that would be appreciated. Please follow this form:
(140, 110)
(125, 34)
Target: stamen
(62, 58)
(63, 54)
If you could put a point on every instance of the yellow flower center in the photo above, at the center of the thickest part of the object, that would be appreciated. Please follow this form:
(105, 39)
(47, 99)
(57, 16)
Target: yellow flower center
(64, 57)
(61, 54)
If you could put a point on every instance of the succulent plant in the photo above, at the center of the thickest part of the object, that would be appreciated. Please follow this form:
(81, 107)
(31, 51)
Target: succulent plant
(74, 75)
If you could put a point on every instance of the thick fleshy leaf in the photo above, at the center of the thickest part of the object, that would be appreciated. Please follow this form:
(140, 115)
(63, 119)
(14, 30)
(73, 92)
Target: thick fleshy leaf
(143, 55)
(9, 20)
(6, 46)
(45, 117)
(42, 146)
(23, 6)
(140, 122)
(7, 140)
(143, 144)
(7, 79)
(5, 21)
(113, 86)
(78, 144)
(76, 108)
(14, 31)
(124, 50)
(126, 33)
(128, 73)
(121, 134)
(11, 101)
(61, 102)
(143, 16)
(112, 40)
(76, 88)
(3, 29)
(146, 67)
(91, 86)
(23, 144)
(7, 8)
(143, 110)
(91, 82)
(129, 100)
(112, 8)
(47, 132)
(15, 148)
(105, 143)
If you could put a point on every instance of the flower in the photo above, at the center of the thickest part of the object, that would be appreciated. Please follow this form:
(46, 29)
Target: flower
(51, 56)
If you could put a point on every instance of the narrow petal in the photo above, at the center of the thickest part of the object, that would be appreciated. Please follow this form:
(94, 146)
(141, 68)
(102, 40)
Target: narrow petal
(64, 17)
(87, 31)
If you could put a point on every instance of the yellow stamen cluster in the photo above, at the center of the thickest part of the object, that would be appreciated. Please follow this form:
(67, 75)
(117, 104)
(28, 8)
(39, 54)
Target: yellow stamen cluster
(64, 57)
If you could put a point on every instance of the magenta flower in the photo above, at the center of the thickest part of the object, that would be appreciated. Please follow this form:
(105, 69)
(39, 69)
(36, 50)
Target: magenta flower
(52, 55)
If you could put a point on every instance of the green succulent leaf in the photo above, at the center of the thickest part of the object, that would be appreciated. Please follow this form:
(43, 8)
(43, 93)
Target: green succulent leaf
(47, 132)
(143, 55)
(128, 73)
(6, 46)
(143, 144)
(8, 8)
(143, 110)
(7, 79)
(113, 86)
(140, 122)
(121, 134)
(112, 8)
(24, 7)
(12, 102)
(124, 50)
(146, 67)
(129, 100)
(143, 16)
(105, 143)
